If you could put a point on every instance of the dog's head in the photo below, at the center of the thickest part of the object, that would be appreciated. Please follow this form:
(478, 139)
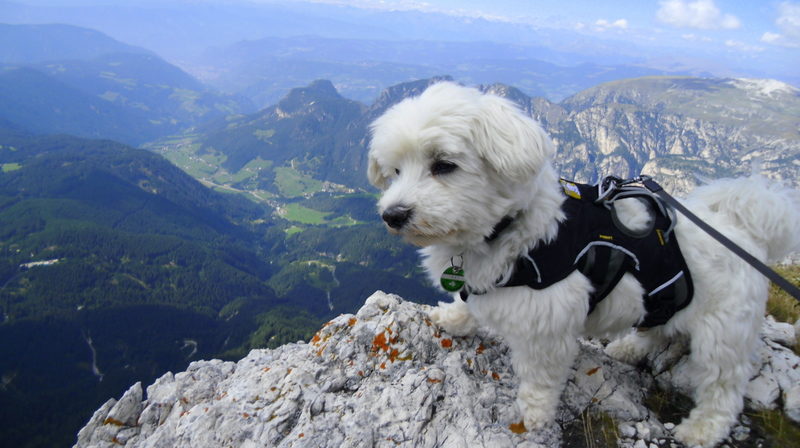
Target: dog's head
(451, 163)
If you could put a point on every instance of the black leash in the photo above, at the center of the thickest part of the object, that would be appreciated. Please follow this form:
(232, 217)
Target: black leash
(656, 189)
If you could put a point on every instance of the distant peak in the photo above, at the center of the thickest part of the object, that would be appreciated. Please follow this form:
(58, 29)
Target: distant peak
(398, 92)
(764, 87)
(300, 97)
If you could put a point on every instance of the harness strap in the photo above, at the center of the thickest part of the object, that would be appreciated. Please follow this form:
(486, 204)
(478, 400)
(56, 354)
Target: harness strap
(768, 272)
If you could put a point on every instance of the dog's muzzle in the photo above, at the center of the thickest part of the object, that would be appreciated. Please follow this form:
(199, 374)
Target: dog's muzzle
(397, 216)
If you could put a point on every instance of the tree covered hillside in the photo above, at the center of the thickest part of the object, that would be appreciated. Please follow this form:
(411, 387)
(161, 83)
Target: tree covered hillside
(116, 266)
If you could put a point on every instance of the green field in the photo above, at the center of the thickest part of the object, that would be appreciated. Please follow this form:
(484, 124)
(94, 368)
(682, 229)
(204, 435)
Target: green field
(293, 183)
(304, 215)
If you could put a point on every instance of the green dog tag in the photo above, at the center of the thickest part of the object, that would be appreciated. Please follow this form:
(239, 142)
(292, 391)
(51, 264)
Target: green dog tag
(452, 279)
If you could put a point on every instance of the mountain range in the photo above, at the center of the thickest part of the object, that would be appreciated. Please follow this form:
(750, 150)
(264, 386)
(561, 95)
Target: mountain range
(265, 69)
(677, 128)
(106, 89)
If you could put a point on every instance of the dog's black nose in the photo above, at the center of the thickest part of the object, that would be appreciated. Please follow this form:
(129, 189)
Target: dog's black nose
(397, 216)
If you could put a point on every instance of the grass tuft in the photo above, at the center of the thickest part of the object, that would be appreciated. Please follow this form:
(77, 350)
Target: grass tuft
(592, 429)
(782, 306)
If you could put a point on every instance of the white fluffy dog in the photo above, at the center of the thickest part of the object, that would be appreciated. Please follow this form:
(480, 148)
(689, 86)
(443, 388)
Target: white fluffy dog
(453, 162)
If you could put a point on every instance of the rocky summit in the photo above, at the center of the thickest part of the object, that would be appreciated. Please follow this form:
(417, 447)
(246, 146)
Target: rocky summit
(387, 376)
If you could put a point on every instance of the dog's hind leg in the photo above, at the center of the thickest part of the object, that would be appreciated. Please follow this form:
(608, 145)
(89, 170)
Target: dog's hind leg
(634, 346)
(720, 362)
(454, 318)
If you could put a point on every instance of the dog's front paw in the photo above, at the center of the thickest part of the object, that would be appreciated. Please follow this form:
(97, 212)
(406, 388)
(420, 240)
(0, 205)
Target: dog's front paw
(535, 417)
(537, 406)
(454, 318)
(703, 432)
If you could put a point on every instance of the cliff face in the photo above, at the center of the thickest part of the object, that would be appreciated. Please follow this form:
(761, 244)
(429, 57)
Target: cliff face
(387, 377)
(673, 128)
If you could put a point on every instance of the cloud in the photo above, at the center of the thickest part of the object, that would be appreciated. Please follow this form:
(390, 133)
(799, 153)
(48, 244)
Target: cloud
(741, 46)
(695, 38)
(788, 23)
(603, 24)
(789, 20)
(701, 14)
(771, 38)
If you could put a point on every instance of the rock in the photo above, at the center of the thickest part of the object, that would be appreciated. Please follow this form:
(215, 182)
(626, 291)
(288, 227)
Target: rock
(780, 332)
(627, 431)
(740, 433)
(797, 328)
(126, 411)
(791, 402)
(642, 431)
(383, 377)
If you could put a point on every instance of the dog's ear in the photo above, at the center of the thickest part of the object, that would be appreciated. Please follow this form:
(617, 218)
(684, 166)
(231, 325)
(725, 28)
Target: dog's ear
(510, 141)
(375, 174)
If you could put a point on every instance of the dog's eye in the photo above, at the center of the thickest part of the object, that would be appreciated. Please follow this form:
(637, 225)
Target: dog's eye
(442, 167)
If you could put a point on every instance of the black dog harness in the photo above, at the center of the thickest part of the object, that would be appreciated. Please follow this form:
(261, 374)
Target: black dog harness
(593, 241)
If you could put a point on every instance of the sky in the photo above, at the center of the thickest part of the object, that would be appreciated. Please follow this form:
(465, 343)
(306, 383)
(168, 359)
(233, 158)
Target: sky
(724, 37)
(753, 26)
(748, 26)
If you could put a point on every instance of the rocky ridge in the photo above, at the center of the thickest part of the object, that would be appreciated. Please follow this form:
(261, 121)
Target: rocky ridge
(387, 376)
(673, 128)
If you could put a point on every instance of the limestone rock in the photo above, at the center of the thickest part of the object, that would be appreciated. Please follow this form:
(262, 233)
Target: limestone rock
(383, 377)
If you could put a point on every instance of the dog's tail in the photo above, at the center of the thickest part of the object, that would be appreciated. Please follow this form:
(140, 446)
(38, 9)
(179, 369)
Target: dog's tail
(767, 210)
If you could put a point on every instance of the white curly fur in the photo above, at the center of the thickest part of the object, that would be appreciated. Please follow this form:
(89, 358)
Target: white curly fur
(503, 161)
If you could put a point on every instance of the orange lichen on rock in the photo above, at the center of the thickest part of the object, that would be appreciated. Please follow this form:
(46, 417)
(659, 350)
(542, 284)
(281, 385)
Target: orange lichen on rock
(352, 321)
(480, 349)
(379, 343)
(315, 339)
(591, 372)
(518, 428)
(447, 343)
(495, 376)
(113, 421)
(434, 380)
